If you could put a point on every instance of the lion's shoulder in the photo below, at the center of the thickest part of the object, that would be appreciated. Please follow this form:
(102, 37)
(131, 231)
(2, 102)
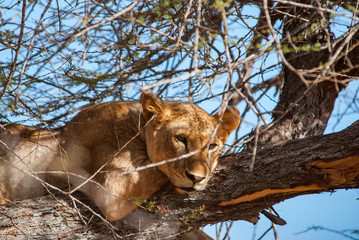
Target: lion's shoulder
(104, 122)
(107, 113)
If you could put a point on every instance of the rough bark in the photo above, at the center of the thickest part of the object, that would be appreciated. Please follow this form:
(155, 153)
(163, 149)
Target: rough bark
(297, 167)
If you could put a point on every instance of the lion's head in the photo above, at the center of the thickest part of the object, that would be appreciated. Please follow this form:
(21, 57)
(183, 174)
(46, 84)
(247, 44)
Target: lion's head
(184, 131)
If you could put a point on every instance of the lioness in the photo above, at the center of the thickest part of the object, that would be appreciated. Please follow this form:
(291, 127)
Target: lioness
(100, 147)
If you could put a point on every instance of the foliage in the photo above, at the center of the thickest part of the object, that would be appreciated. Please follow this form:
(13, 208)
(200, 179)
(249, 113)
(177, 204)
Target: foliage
(63, 56)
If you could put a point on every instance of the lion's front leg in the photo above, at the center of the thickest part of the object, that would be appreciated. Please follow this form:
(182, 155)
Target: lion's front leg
(113, 206)
(118, 195)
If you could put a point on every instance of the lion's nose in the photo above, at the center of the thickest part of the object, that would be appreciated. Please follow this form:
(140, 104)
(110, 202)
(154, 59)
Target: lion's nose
(194, 178)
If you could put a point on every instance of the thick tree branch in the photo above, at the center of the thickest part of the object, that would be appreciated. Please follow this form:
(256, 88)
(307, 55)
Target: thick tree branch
(297, 167)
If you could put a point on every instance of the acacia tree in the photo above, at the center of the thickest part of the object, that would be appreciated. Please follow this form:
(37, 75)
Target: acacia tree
(61, 56)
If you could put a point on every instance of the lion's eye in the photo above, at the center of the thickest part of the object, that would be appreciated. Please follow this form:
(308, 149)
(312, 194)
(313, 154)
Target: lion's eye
(212, 146)
(181, 139)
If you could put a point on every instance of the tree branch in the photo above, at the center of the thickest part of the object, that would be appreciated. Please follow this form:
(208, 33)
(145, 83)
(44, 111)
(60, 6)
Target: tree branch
(297, 167)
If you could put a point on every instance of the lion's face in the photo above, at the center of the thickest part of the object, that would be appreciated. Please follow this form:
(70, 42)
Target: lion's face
(186, 135)
(191, 134)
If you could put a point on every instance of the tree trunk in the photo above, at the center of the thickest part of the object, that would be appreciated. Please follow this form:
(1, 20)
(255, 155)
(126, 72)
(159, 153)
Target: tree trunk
(297, 167)
(313, 74)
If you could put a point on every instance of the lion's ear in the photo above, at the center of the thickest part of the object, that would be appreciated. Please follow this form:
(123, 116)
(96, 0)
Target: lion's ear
(151, 104)
(229, 122)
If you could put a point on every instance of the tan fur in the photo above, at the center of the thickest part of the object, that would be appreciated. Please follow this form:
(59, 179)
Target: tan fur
(104, 141)
(24, 151)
